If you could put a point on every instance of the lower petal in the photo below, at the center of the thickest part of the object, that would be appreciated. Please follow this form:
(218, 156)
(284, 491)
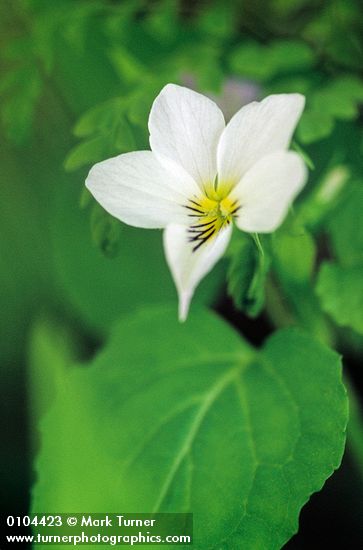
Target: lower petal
(188, 267)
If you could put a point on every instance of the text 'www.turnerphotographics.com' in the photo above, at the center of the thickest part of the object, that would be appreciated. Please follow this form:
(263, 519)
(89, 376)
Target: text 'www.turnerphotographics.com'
(108, 529)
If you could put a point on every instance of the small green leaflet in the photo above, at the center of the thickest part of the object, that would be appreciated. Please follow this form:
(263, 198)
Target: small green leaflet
(341, 294)
(247, 270)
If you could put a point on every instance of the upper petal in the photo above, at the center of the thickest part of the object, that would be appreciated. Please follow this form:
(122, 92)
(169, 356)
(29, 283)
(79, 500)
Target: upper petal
(188, 267)
(267, 190)
(185, 126)
(256, 130)
(138, 190)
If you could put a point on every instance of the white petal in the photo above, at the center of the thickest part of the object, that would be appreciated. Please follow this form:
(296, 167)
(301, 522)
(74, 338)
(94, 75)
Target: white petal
(267, 190)
(138, 190)
(187, 267)
(185, 126)
(256, 130)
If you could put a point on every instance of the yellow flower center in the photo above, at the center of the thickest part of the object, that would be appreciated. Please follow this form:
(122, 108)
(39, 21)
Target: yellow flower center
(210, 213)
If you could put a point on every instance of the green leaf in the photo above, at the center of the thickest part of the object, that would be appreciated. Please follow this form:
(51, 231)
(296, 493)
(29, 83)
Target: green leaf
(85, 198)
(340, 98)
(325, 196)
(339, 106)
(106, 231)
(204, 62)
(22, 92)
(124, 136)
(88, 152)
(162, 22)
(128, 67)
(291, 83)
(110, 131)
(341, 294)
(47, 368)
(290, 55)
(219, 20)
(345, 226)
(294, 253)
(83, 75)
(188, 417)
(246, 275)
(339, 42)
(141, 100)
(100, 118)
(246, 61)
(349, 86)
(315, 125)
(263, 62)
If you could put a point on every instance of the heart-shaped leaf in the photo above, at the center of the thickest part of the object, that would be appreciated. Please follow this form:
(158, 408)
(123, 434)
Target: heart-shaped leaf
(189, 417)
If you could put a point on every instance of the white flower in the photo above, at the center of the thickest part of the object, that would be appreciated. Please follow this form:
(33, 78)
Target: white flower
(201, 176)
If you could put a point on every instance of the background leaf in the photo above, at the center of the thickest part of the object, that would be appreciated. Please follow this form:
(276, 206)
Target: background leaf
(315, 125)
(258, 61)
(341, 294)
(294, 257)
(294, 252)
(345, 226)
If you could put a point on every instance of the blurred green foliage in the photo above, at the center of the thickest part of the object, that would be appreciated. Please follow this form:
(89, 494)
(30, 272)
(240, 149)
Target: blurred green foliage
(78, 78)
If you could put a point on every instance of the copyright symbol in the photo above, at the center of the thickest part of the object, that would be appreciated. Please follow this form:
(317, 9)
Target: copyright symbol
(72, 521)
